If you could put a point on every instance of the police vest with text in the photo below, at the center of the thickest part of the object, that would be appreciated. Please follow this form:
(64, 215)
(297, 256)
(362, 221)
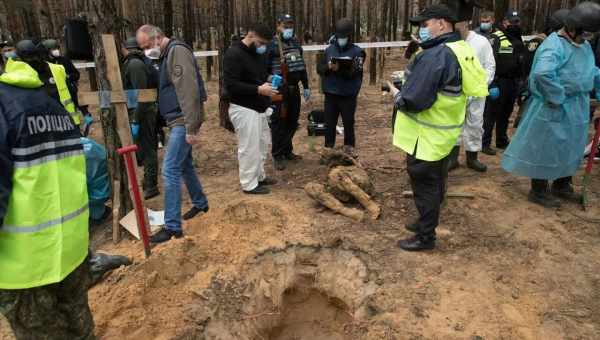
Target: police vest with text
(44, 234)
(434, 132)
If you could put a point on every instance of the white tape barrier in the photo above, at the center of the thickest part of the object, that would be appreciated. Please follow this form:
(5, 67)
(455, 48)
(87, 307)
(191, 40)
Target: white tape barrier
(311, 48)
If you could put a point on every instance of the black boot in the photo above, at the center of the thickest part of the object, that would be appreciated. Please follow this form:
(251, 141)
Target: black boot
(193, 212)
(540, 194)
(489, 151)
(417, 243)
(453, 158)
(474, 163)
(563, 188)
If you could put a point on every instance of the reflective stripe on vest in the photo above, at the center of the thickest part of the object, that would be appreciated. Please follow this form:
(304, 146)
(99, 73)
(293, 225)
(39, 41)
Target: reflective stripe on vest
(60, 79)
(506, 46)
(433, 132)
(45, 232)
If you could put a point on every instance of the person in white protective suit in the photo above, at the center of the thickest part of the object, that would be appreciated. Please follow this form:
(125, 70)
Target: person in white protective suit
(246, 84)
(473, 129)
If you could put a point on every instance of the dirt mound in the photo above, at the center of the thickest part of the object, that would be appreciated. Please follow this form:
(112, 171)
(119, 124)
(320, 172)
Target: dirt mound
(307, 292)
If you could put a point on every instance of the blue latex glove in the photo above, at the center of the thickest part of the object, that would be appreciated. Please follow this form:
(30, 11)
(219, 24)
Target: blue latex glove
(494, 93)
(306, 94)
(87, 120)
(135, 130)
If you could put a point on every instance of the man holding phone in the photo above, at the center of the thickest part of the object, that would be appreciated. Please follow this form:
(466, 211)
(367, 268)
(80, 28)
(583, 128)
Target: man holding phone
(246, 77)
(341, 70)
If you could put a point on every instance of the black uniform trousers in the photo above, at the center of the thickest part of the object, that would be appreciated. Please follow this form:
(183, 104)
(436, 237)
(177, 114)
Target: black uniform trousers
(284, 129)
(428, 181)
(147, 142)
(498, 111)
(334, 107)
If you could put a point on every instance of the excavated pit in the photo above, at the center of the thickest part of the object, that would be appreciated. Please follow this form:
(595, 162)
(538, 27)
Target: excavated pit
(300, 292)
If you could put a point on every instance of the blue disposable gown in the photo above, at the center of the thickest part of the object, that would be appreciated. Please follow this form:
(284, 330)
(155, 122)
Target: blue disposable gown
(552, 136)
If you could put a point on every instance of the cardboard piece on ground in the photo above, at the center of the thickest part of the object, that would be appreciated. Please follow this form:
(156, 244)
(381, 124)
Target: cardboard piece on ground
(130, 224)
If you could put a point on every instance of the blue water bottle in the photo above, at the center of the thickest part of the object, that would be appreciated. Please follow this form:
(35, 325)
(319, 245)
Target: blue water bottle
(276, 81)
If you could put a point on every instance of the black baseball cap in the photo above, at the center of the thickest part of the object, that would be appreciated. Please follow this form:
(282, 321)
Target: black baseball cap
(434, 12)
(512, 15)
(285, 18)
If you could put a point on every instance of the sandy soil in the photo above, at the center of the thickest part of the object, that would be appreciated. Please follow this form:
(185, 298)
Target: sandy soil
(280, 267)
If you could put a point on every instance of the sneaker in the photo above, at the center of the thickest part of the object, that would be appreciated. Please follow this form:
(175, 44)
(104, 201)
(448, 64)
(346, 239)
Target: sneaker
(259, 190)
(165, 235)
(350, 151)
(489, 151)
(267, 181)
(417, 243)
(151, 193)
(193, 212)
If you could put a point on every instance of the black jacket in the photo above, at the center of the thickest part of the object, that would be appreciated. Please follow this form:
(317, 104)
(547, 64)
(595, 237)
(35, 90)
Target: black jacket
(244, 71)
(434, 70)
(136, 76)
(71, 70)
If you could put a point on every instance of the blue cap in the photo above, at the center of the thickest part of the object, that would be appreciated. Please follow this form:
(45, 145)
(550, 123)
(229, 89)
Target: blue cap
(285, 18)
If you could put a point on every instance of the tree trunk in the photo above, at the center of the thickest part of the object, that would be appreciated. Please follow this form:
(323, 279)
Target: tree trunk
(104, 19)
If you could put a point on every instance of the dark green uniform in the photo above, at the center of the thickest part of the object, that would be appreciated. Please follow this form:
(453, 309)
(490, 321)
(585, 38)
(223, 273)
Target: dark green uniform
(136, 76)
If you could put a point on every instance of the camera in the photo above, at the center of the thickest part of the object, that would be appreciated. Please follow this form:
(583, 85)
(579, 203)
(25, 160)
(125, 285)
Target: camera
(397, 79)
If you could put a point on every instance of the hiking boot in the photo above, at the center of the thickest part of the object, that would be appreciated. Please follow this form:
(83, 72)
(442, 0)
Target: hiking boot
(293, 157)
(412, 227)
(566, 192)
(151, 193)
(474, 163)
(259, 190)
(280, 164)
(417, 243)
(453, 159)
(193, 212)
(544, 199)
(165, 235)
(267, 181)
(489, 151)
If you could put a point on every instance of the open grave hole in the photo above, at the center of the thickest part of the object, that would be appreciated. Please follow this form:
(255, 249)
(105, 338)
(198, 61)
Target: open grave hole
(299, 292)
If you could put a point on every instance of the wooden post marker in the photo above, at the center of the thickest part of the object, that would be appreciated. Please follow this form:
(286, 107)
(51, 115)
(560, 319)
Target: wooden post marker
(118, 98)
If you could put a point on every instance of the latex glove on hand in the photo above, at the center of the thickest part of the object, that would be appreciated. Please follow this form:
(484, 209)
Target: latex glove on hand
(494, 93)
(393, 90)
(87, 120)
(306, 94)
(135, 130)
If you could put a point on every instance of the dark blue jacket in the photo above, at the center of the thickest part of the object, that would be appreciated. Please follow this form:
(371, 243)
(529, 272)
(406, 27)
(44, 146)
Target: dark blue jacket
(339, 83)
(435, 69)
(167, 96)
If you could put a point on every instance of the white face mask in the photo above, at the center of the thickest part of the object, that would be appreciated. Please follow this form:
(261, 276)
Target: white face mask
(153, 52)
(55, 53)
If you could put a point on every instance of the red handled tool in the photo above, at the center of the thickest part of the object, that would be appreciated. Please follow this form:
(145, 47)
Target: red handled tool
(590, 162)
(134, 189)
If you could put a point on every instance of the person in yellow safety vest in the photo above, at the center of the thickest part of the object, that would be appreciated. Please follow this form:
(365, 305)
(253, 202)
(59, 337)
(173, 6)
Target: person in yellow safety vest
(44, 267)
(54, 76)
(431, 112)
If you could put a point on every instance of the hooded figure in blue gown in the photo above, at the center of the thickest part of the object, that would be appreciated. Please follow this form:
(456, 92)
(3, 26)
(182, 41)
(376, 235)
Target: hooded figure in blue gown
(550, 142)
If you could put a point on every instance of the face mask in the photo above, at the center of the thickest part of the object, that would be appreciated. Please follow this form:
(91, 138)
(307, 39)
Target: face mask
(342, 42)
(261, 50)
(288, 33)
(486, 26)
(55, 53)
(152, 53)
(424, 34)
(10, 55)
(514, 31)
